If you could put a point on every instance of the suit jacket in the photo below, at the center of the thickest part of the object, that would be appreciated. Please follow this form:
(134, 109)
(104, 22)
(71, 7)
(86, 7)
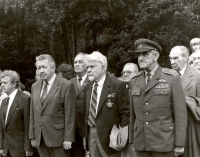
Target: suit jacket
(116, 91)
(14, 134)
(191, 87)
(55, 121)
(158, 112)
(80, 104)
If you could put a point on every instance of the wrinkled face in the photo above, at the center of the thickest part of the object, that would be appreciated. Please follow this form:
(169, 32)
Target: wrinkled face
(6, 85)
(45, 70)
(178, 61)
(147, 60)
(196, 60)
(195, 46)
(95, 71)
(128, 72)
(79, 64)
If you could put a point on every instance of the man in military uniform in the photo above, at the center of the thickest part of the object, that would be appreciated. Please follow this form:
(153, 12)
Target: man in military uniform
(158, 107)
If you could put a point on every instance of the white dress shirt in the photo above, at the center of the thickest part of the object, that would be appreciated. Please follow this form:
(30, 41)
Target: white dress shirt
(50, 83)
(11, 96)
(82, 79)
(183, 71)
(99, 89)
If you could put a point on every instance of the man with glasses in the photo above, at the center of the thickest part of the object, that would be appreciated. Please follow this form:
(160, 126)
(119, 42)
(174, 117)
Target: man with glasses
(158, 108)
(129, 70)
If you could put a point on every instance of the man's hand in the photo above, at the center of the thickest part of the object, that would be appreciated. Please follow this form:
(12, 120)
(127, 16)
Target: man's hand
(29, 153)
(84, 143)
(1, 152)
(178, 151)
(67, 145)
(33, 143)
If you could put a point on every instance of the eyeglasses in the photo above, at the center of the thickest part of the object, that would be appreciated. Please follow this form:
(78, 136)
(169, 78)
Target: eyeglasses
(126, 72)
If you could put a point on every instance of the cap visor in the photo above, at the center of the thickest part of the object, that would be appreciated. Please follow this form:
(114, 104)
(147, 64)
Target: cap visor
(142, 50)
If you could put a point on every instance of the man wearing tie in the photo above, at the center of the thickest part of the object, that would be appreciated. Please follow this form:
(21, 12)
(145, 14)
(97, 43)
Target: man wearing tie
(14, 118)
(106, 104)
(158, 108)
(190, 80)
(53, 111)
(79, 81)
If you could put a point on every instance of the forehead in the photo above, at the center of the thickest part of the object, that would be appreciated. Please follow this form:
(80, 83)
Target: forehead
(176, 52)
(42, 62)
(6, 79)
(79, 57)
(129, 67)
(196, 54)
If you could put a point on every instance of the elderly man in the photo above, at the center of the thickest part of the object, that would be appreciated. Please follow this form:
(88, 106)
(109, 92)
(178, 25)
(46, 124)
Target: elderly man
(79, 81)
(190, 80)
(53, 111)
(14, 118)
(158, 107)
(106, 105)
(129, 70)
(196, 59)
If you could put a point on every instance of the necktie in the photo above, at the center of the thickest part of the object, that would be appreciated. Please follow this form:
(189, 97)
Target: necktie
(79, 83)
(44, 94)
(6, 107)
(93, 107)
(148, 77)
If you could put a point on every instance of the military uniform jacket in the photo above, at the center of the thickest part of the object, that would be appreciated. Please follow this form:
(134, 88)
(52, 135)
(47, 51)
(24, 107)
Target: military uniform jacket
(158, 112)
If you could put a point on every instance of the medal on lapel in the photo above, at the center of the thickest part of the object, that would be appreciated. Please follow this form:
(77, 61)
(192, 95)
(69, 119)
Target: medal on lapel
(109, 104)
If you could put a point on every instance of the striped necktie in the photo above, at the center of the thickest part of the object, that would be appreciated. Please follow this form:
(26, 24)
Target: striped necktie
(44, 93)
(93, 107)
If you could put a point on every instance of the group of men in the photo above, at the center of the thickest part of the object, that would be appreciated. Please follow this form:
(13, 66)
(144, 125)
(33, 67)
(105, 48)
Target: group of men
(71, 117)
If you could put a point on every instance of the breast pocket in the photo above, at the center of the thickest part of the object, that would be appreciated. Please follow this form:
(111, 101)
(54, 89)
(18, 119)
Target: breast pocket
(136, 98)
(162, 97)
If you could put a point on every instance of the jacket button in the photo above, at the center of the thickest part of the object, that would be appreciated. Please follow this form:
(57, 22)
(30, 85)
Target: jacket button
(147, 104)
(147, 122)
(147, 113)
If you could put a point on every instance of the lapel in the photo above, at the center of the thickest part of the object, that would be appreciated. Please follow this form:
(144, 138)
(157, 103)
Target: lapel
(38, 93)
(104, 93)
(141, 81)
(13, 107)
(154, 79)
(88, 96)
(2, 114)
(186, 79)
(74, 80)
(52, 91)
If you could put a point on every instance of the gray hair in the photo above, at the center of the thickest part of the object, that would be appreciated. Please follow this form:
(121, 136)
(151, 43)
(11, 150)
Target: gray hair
(133, 65)
(14, 77)
(44, 57)
(184, 50)
(97, 57)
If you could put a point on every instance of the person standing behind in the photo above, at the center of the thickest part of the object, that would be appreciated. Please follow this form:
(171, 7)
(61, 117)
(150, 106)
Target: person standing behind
(190, 80)
(158, 107)
(194, 46)
(53, 111)
(14, 118)
(106, 104)
(196, 59)
(79, 81)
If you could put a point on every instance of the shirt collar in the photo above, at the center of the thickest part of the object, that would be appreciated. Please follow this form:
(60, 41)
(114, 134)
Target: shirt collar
(12, 95)
(83, 78)
(183, 70)
(152, 72)
(50, 82)
(101, 82)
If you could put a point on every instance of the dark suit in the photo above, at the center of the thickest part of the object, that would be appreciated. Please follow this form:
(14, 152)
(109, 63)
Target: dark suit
(14, 135)
(107, 117)
(158, 112)
(55, 121)
(78, 150)
(191, 87)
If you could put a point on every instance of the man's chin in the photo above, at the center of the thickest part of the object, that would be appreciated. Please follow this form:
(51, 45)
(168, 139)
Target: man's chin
(91, 78)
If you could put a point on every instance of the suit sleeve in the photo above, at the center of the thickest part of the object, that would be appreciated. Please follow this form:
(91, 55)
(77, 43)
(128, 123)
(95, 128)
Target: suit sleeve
(70, 113)
(31, 128)
(123, 104)
(26, 114)
(180, 112)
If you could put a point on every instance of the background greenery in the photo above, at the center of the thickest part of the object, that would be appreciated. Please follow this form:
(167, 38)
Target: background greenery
(64, 28)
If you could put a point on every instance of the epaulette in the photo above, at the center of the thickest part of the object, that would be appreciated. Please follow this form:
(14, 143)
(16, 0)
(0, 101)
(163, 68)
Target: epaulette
(170, 71)
(138, 73)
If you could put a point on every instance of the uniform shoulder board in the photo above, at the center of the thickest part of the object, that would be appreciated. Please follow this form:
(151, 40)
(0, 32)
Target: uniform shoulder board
(137, 74)
(170, 71)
